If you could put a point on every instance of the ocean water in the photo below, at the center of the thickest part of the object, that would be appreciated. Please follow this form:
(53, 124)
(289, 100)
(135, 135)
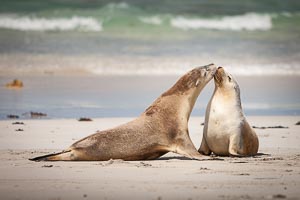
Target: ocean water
(123, 43)
(129, 96)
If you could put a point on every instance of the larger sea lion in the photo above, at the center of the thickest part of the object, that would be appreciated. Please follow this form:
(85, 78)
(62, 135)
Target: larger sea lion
(162, 128)
(226, 130)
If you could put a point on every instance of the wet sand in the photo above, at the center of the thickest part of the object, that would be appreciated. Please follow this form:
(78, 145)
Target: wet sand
(129, 96)
(275, 174)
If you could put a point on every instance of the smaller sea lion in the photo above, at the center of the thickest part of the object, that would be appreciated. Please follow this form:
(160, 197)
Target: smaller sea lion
(226, 130)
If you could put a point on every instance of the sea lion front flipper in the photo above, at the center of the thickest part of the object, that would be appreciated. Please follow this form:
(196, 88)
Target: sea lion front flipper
(185, 147)
(204, 149)
(235, 148)
(191, 154)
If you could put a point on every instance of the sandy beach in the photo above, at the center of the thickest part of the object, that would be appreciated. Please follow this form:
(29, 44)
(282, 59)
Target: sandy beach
(273, 175)
(61, 60)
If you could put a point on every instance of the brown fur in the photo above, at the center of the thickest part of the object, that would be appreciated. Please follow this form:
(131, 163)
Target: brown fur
(250, 140)
(163, 127)
(183, 84)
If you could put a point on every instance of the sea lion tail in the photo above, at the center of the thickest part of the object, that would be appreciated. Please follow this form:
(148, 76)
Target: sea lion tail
(63, 155)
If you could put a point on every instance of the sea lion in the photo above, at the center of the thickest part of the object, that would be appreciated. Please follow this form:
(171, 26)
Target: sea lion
(162, 128)
(226, 130)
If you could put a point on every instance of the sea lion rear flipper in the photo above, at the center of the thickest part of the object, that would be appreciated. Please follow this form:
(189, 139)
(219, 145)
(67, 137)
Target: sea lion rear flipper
(53, 156)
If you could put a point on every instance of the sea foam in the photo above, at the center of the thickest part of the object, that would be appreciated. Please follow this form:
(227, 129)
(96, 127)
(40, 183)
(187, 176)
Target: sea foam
(162, 70)
(129, 66)
(248, 21)
(26, 23)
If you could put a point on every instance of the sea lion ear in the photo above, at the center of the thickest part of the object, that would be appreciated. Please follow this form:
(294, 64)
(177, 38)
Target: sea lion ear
(197, 82)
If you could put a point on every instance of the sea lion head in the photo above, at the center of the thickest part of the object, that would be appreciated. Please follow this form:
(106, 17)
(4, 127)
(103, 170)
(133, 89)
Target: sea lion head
(226, 82)
(183, 94)
(193, 81)
(224, 79)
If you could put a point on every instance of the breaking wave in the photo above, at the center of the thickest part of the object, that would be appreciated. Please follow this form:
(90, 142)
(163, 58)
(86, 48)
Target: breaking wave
(25, 23)
(122, 16)
(249, 21)
(128, 66)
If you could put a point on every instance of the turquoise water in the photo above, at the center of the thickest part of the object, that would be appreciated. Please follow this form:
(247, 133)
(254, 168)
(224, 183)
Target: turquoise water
(149, 17)
(169, 37)
(46, 42)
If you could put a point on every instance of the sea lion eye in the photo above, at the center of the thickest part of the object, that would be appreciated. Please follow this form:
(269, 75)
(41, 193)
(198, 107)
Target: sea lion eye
(229, 78)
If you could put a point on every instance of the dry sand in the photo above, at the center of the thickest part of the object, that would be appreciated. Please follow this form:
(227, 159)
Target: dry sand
(272, 176)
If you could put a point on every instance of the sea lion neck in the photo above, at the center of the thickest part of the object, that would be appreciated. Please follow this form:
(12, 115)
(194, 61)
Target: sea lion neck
(185, 83)
(224, 93)
(178, 107)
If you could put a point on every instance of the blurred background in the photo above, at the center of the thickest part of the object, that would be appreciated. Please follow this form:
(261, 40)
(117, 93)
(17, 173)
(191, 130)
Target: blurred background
(97, 58)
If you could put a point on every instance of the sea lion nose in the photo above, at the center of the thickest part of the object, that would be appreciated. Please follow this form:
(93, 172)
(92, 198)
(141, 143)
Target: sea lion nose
(208, 67)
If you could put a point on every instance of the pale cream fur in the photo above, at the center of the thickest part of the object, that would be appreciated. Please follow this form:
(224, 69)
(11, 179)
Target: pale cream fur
(226, 130)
